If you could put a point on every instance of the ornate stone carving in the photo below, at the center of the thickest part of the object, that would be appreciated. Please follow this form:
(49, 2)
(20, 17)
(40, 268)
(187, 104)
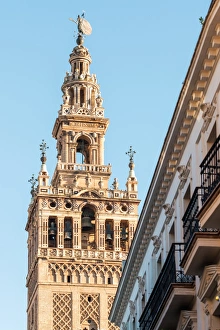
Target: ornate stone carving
(62, 310)
(84, 271)
(132, 308)
(116, 207)
(210, 279)
(89, 307)
(66, 96)
(80, 51)
(43, 252)
(206, 309)
(99, 101)
(111, 326)
(115, 184)
(183, 174)
(207, 114)
(44, 203)
(157, 243)
(141, 284)
(187, 320)
(218, 282)
(130, 208)
(101, 183)
(169, 210)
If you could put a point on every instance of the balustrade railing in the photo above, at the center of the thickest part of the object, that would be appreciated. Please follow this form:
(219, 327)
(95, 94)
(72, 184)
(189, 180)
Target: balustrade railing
(170, 273)
(210, 170)
(85, 167)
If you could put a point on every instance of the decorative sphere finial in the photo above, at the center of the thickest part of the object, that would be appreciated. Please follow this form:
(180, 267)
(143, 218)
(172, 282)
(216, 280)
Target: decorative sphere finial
(43, 148)
(79, 40)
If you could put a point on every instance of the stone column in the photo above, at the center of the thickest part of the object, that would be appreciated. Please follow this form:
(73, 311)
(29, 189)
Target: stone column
(101, 150)
(60, 230)
(117, 235)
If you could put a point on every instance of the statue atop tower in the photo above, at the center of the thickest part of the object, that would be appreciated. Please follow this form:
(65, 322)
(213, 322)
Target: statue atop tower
(83, 26)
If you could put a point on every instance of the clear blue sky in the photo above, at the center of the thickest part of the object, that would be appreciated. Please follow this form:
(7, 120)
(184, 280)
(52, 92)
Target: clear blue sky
(141, 51)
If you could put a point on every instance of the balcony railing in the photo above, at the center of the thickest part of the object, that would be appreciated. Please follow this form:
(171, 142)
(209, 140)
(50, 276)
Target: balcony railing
(171, 273)
(210, 178)
(210, 170)
(190, 221)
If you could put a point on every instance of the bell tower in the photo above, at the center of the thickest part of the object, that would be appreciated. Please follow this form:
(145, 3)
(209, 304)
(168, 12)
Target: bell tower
(79, 229)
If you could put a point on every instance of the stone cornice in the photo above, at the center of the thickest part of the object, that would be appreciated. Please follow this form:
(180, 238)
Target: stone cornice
(197, 80)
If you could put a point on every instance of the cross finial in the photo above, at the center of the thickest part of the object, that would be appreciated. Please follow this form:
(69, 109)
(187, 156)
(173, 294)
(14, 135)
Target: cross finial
(43, 148)
(33, 182)
(131, 153)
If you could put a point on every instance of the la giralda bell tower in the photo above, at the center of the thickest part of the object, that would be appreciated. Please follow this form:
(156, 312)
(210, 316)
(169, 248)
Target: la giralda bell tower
(79, 229)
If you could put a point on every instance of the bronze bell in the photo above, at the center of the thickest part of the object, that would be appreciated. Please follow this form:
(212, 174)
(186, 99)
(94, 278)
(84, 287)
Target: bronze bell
(52, 229)
(124, 235)
(67, 231)
(86, 223)
(108, 237)
(108, 232)
(67, 235)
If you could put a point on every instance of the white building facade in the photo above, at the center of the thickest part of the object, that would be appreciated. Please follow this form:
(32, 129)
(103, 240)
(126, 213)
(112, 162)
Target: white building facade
(171, 279)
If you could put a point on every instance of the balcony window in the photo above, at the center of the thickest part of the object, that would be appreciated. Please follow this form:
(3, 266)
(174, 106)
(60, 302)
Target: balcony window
(170, 278)
(210, 170)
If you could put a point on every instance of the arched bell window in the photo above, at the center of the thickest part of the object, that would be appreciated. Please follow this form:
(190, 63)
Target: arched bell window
(88, 228)
(68, 233)
(124, 235)
(52, 232)
(82, 151)
(109, 235)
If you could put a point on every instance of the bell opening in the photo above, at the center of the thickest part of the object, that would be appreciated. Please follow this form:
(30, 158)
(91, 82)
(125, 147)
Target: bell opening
(88, 228)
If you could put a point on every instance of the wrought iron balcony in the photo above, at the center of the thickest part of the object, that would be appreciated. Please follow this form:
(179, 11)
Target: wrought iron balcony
(190, 221)
(171, 274)
(210, 178)
(210, 170)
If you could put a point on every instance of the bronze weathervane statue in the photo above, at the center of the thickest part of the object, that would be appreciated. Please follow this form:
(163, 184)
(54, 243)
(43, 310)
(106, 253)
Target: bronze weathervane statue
(84, 27)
